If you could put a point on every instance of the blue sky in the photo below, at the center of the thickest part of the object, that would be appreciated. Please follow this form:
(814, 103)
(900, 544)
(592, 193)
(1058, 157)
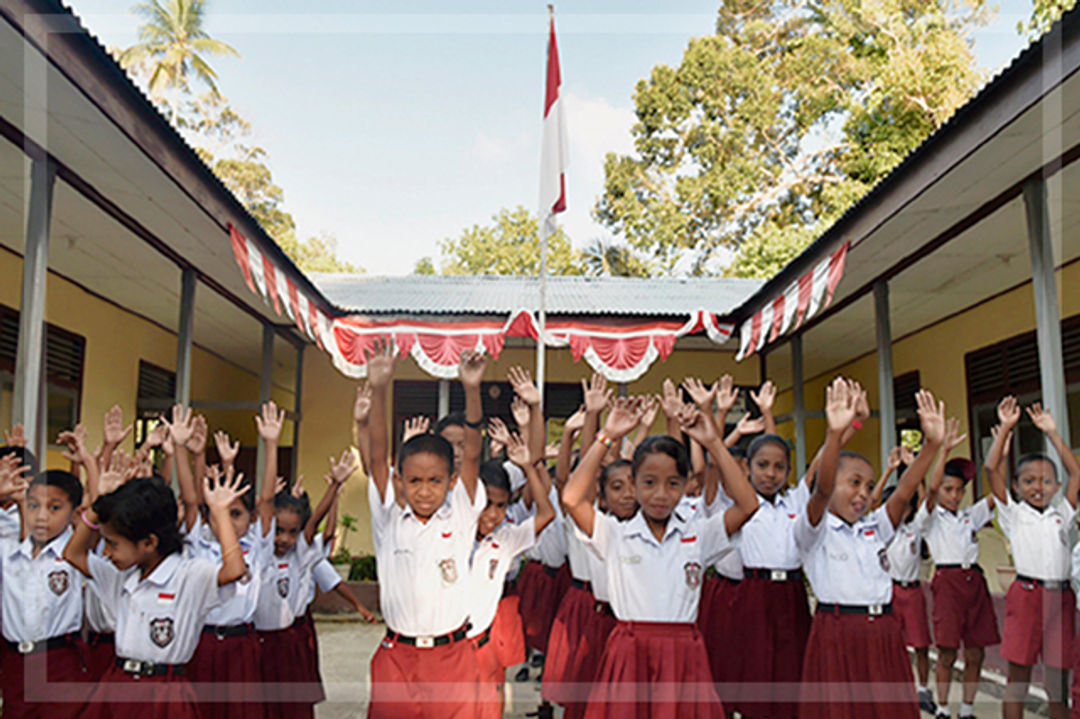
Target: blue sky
(393, 125)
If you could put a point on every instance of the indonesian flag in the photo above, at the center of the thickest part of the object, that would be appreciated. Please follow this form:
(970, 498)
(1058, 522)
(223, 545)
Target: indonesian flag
(553, 159)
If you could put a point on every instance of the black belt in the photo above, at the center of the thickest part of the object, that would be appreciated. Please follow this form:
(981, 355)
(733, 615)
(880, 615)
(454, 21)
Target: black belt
(581, 584)
(42, 645)
(551, 571)
(1045, 583)
(483, 638)
(964, 565)
(231, 630)
(775, 575)
(101, 638)
(906, 585)
(149, 669)
(730, 580)
(873, 610)
(604, 608)
(428, 642)
(301, 620)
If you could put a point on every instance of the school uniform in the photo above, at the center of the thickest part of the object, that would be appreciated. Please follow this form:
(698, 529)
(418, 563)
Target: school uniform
(1074, 687)
(225, 670)
(772, 607)
(285, 645)
(42, 669)
(101, 628)
(1039, 606)
(963, 611)
(425, 667)
(159, 620)
(544, 578)
(856, 665)
(496, 622)
(716, 619)
(903, 556)
(654, 663)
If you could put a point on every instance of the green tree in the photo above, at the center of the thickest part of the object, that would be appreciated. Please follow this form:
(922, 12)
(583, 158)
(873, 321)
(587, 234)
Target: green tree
(424, 266)
(774, 125)
(319, 254)
(603, 258)
(508, 246)
(172, 46)
(1043, 16)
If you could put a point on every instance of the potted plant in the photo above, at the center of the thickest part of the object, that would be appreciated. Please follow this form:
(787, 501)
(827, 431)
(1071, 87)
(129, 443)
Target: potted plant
(342, 560)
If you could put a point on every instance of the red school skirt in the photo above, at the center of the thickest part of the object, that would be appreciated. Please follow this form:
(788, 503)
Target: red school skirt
(909, 605)
(963, 612)
(771, 627)
(654, 670)
(716, 624)
(1038, 622)
(857, 668)
(566, 677)
(407, 682)
(49, 683)
(100, 654)
(120, 695)
(1074, 688)
(541, 589)
(285, 661)
(224, 673)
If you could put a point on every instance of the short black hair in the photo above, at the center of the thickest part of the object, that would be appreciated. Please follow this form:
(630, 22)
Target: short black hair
(605, 473)
(1030, 457)
(493, 474)
(284, 500)
(737, 452)
(766, 439)
(66, 482)
(913, 503)
(434, 444)
(662, 444)
(454, 419)
(140, 508)
(25, 456)
(848, 454)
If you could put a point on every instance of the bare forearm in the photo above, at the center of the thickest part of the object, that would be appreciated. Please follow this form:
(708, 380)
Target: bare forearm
(537, 435)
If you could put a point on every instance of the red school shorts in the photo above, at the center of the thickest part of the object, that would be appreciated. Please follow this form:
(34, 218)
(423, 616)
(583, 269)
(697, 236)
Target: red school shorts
(909, 605)
(1038, 621)
(120, 695)
(412, 683)
(963, 612)
(51, 684)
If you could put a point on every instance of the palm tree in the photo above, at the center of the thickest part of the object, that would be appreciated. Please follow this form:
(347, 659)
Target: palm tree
(608, 259)
(172, 46)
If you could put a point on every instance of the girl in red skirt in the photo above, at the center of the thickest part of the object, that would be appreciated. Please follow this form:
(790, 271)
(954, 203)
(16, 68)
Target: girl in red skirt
(856, 666)
(543, 582)
(162, 605)
(654, 662)
(1039, 607)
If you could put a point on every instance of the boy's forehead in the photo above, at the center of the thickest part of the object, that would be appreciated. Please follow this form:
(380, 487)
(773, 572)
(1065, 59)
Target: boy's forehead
(426, 464)
(49, 491)
(1036, 468)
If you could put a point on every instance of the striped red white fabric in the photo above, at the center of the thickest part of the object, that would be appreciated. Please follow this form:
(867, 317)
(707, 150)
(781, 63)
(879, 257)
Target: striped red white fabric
(800, 301)
(554, 156)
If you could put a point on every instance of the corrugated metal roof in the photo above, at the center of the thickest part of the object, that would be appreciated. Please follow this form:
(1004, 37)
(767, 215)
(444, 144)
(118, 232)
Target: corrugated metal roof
(436, 294)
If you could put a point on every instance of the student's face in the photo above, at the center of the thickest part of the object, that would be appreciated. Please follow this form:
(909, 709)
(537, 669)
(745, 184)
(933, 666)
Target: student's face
(286, 531)
(619, 497)
(693, 487)
(240, 517)
(426, 480)
(851, 494)
(48, 512)
(769, 469)
(124, 553)
(659, 486)
(495, 511)
(1036, 483)
(951, 492)
(455, 435)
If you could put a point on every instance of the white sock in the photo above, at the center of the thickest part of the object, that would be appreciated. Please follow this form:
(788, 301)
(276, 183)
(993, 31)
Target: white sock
(924, 688)
(967, 710)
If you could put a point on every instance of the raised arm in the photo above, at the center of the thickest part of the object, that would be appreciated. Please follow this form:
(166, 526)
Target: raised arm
(1046, 424)
(597, 396)
(621, 420)
(526, 389)
(361, 430)
(745, 427)
(650, 407)
(180, 429)
(932, 418)
(1009, 415)
(219, 491)
(892, 466)
(340, 471)
(671, 404)
(953, 439)
(269, 422)
(571, 429)
(227, 450)
(380, 372)
(840, 413)
(114, 432)
(520, 454)
(85, 535)
(764, 398)
(471, 374)
(197, 446)
(700, 427)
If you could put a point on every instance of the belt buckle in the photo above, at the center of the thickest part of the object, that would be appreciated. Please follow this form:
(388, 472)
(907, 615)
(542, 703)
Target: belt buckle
(26, 647)
(778, 575)
(425, 642)
(875, 610)
(133, 666)
(219, 632)
(965, 565)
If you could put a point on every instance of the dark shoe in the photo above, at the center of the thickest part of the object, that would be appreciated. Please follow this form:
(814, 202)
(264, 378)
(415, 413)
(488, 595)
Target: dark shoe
(926, 702)
(522, 675)
(537, 661)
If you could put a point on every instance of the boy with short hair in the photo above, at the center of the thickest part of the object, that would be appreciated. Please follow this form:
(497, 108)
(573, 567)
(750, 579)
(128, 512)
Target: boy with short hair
(425, 667)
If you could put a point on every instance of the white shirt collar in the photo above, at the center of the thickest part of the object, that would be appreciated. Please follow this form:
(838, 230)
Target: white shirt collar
(161, 575)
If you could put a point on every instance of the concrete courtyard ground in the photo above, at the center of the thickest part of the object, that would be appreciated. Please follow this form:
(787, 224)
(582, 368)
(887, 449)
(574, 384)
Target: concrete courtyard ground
(346, 648)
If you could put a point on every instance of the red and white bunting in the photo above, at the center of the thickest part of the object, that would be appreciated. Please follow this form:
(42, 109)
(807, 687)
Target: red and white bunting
(795, 305)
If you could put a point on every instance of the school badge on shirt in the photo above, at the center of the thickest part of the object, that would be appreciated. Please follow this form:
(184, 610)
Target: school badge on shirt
(492, 566)
(883, 558)
(448, 567)
(161, 631)
(693, 574)
(283, 587)
(58, 582)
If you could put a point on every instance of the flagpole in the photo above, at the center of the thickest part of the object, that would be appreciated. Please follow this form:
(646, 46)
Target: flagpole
(546, 213)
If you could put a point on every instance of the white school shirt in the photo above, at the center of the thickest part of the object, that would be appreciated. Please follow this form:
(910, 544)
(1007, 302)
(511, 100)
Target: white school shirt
(596, 568)
(240, 599)
(286, 581)
(658, 581)
(903, 553)
(768, 540)
(325, 577)
(576, 550)
(42, 595)
(952, 537)
(424, 566)
(550, 548)
(100, 616)
(1076, 573)
(491, 558)
(846, 562)
(1039, 540)
(158, 619)
(729, 565)
(688, 505)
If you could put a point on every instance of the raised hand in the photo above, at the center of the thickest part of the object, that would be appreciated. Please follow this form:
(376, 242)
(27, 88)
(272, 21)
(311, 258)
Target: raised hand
(13, 479)
(703, 396)
(298, 490)
(953, 438)
(894, 459)
(180, 428)
(155, 437)
(362, 405)
(906, 456)
(342, 469)
(862, 404)
(597, 394)
(269, 422)
(226, 450)
(748, 425)
(649, 407)
(575, 422)
(415, 426)
(517, 451)
(16, 437)
(623, 418)
(472, 368)
(764, 397)
(1008, 412)
(1042, 419)
(670, 401)
(380, 364)
(727, 394)
(523, 385)
(1008, 440)
(114, 430)
(75, 441)
(521, 411)
(931, 417)
(839, 405)
(196, 444)
(498, 432)
(220, 491)
(697, 425)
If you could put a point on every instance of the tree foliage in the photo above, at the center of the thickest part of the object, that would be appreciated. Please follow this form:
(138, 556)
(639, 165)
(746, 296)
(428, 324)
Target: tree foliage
(1043, 16)
(771, 127)
(508, 246)
(604, 258)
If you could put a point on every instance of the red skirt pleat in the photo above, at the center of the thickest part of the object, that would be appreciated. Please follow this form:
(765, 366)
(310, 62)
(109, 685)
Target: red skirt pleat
(540, 595)
(120, 695)
(654, 671)
(715, 622)
(857, 668)
(438, 683)
(51, 683)
(770, 627)
(100, 656)
(562, 669)
(225, 676)
(285, 660)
